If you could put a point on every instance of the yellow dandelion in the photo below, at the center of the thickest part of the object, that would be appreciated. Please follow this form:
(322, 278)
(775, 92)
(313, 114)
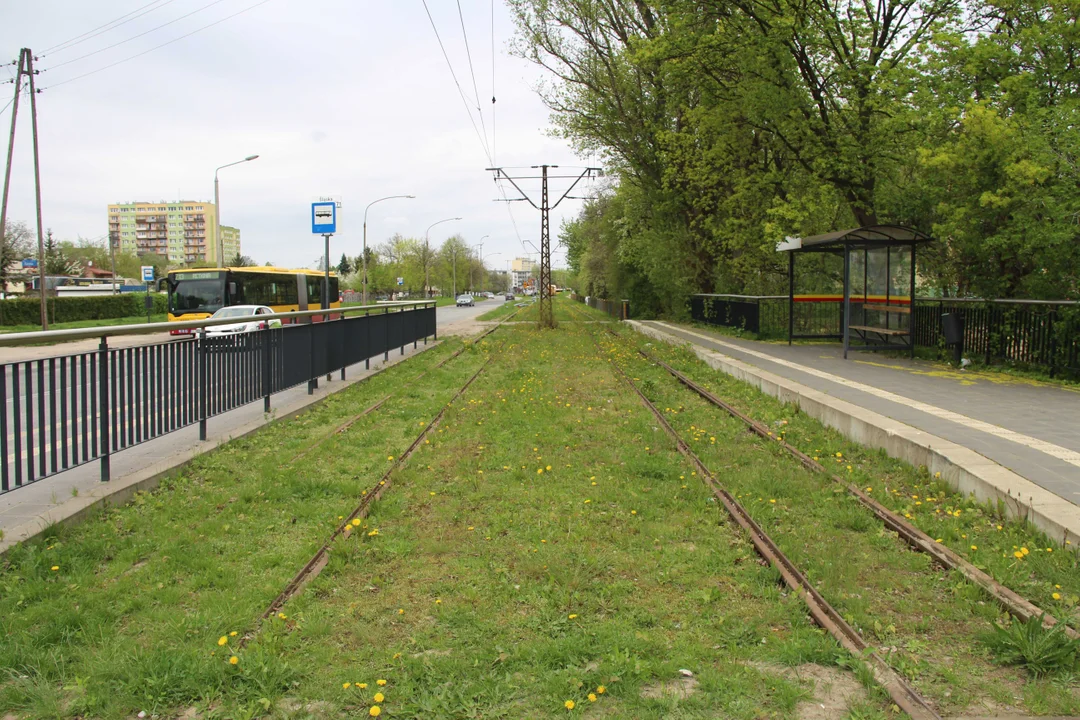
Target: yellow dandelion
(389, 457)
(470, 528)
(548, 468)
(600, 689)
(356, 522)
(401, 611)
(362, 686)
(234, 660)
(346, 686)
(569, 704)
(572, 615)
(974, 547)
(232, 634)
(1056, 596)
(374, 711)
(539, 471)
(379, 697)
(373, 533)
(633, 512)
(869, 489)
(772, 501)
(1018, 555)
(222, 640)
(1024, 550)
(839, 455)
(283, 616)
(380, 683)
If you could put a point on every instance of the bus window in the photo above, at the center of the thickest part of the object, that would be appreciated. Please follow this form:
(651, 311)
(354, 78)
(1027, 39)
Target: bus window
(196, 293)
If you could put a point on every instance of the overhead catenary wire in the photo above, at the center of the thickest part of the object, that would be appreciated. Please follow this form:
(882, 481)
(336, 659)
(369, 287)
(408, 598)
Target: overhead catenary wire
(472, 73)
(102, 29)
(133, 37)
(453, 74)
(158, 47)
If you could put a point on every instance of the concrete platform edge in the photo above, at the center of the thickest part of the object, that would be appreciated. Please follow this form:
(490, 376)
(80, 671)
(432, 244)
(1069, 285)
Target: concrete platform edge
(119, 490)
(964, 469)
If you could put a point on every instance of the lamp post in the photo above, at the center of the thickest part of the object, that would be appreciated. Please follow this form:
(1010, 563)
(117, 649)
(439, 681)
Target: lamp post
(427, 253)
(364, 256)
(217, 211)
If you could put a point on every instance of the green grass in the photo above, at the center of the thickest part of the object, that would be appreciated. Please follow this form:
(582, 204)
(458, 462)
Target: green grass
(548, 539)
(78, 324)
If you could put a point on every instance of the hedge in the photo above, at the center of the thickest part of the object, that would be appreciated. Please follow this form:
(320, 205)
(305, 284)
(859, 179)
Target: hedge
(27, 311)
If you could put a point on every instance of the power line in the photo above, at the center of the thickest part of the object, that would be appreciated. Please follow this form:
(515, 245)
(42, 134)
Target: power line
(134, 37)
(453, 74)
(472, 72)
(111, 25)
(158, 47)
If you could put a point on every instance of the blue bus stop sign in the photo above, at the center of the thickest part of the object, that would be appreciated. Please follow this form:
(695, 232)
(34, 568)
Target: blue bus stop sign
(323, 218)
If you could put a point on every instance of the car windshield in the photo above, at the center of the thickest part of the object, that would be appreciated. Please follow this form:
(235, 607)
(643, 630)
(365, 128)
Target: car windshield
(228, 312)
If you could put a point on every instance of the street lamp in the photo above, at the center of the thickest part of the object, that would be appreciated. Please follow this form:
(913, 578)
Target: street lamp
(364, 256)
(483, 267)
(427, 253)
(217, 211)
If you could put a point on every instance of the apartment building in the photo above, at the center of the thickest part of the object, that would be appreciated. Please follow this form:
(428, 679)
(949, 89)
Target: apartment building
(182, 231)
(522, 269)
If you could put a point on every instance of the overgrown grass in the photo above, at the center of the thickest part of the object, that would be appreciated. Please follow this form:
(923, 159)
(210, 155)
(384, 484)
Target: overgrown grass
(77, 324)
(870, 575)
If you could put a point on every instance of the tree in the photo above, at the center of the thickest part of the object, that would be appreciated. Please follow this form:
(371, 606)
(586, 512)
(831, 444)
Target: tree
(56, 263)
(344, 267)
(242, 261)
(17, 245)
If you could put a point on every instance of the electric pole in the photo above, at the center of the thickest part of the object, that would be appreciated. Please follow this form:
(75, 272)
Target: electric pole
(547, 316)
(26, 67)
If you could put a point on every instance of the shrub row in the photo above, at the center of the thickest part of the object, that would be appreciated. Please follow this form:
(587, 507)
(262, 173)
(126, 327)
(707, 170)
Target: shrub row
(27, 311)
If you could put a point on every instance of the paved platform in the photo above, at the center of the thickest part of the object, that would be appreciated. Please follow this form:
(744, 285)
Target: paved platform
(1029, 427)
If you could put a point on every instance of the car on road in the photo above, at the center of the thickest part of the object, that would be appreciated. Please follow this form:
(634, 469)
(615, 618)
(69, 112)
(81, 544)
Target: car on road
(465, 301)
(249, 319)
(509, 296)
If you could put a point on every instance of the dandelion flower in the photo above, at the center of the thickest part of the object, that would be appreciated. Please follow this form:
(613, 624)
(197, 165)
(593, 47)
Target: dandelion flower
(869, 489)
(569, 704)
(232, 634)
(1056, 596)
(379, 697)
(633, 512)
(356, 522)
(974, 547)
(283, 616)
(373, 533)
(572, 615)
(1018, 555)
(374, 711)
(401, 611)
(383, 682)
(389, 457)
(362, 686)
(548, 468)
(600, 689)
(222, 640)
(234, 660)
(592, 697)
(839, 455)
(346, 686)
(772, 501)
(1024, 550)
(539, 471)
(470, 528)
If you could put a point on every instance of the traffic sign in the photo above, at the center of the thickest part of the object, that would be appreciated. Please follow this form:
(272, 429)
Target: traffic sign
(29, 263)
(148, 273)
(323, 218)
(401, 281)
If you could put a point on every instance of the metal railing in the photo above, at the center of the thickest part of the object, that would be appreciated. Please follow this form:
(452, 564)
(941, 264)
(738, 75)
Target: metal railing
(618, 309)
(1041, 333)
(64, 411)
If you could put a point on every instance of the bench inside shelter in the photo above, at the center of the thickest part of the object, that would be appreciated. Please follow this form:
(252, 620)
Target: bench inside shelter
(873, 268)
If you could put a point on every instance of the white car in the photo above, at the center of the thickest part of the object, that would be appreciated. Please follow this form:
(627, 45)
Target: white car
(465, 301)
(249, 320)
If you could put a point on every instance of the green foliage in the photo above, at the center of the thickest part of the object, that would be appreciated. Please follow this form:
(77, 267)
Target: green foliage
(1030, 645)
(27, 311)
(729, 126)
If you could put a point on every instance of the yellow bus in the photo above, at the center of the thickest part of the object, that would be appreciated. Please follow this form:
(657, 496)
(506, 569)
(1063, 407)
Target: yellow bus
(197, 293)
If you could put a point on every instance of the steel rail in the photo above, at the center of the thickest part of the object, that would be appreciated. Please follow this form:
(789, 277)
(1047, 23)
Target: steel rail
(1017, 605)
(902, 693)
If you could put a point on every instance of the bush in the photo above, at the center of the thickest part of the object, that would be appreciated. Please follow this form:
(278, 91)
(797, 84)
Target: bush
(27, 311)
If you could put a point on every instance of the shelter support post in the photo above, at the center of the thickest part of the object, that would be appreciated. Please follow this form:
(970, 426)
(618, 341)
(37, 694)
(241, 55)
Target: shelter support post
(847, 299)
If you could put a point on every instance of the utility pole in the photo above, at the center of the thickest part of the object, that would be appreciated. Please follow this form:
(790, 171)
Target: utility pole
(454, 249)
(11, 148)
(114, 240)
(547, 316)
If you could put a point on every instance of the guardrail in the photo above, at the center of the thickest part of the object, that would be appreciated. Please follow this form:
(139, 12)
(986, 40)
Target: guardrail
(68, 410)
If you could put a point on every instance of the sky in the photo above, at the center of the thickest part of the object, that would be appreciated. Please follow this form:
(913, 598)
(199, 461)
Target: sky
(339, 98)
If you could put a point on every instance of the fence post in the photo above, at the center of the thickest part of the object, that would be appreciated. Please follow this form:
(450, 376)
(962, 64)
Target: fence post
(386, 351)
(367, 346)
(204, 385)
(1053, 340)
(313, 381)
(267, 367)
(341, 333)
(106, 406)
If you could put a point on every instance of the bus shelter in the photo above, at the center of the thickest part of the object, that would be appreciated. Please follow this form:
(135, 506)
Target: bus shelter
(876, 302)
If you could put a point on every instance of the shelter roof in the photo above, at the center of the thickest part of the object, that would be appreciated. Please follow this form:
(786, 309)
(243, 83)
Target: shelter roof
(869, 236)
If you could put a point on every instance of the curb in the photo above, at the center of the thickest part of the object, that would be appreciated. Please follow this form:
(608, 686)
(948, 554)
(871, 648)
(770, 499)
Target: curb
(964, 469)
(119, 490)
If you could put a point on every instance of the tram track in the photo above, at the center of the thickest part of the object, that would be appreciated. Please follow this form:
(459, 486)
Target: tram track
(1015, 604)
(319, 559)
(906, 697)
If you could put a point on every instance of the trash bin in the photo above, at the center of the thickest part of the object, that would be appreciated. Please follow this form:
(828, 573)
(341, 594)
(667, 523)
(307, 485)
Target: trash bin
(952, 327)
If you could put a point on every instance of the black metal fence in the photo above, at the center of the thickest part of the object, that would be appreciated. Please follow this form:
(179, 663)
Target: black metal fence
(62, 412)
(1039, 333)
(618, 309)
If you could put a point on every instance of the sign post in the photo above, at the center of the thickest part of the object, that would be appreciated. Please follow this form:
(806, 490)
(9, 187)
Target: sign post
(148, 278)
(324, 222)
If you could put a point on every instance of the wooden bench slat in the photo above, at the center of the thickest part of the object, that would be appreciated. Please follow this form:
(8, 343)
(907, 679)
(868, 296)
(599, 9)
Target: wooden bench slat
(887, 308)
(879, 330)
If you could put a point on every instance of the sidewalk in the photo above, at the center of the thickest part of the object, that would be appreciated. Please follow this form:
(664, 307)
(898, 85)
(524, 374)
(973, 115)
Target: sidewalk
(1029, 427)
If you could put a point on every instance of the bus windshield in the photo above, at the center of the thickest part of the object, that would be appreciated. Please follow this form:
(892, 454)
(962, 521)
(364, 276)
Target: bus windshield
(202, 295)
